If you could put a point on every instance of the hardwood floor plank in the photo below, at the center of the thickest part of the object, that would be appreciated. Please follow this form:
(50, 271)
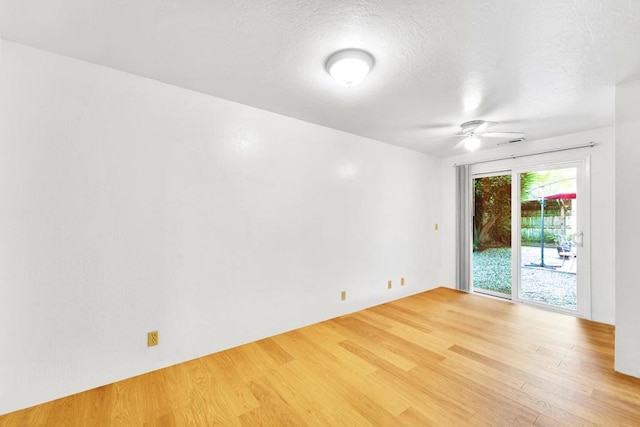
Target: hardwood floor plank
(523, 367)
(544, 421)
(380, 322)
(587, 408)
(405, 317)
(250, 361)
(509, 387)
(385, 354)
(310, 401)
(619, 401)
(318, 393)
(486, 401)
(430, 402)
(274, 351)
(609, 393)
(327, 356)
(479, 373)
(273, 411)
(406, 378)
(413, 417)
(393, 343)
(231, 394)
(441, 357)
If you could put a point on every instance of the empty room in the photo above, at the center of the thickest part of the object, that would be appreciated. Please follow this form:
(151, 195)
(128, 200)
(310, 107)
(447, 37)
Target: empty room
(323, 213)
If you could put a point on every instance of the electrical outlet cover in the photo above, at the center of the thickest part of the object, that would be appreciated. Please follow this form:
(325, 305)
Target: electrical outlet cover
(152, 338)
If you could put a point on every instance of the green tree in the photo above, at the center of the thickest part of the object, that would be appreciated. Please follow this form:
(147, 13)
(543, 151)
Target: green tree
(492, 210)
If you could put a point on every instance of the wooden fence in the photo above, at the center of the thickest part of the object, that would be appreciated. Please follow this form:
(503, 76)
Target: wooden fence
(553, 225)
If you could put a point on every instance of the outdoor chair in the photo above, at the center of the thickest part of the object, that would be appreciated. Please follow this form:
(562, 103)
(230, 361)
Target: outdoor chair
(565, 249)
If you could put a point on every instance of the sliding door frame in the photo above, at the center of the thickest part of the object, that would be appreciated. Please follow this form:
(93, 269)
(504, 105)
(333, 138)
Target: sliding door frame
(545, 162)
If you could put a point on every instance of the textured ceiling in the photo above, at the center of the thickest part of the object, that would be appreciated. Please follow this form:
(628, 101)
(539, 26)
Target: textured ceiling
(542, 67)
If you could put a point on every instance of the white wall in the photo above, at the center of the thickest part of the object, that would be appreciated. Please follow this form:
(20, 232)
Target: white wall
(602, 185)
(129, 205)
(627, 357)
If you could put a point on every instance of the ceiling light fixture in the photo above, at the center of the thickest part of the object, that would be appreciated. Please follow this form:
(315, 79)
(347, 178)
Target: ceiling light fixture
(472, 143)
(349, 66)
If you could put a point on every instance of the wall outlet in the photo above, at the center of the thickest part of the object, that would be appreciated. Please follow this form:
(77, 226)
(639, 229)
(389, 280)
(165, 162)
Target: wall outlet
(343, 295)
(389, 285)
(402, 281)
(436, 227)
(152, 338)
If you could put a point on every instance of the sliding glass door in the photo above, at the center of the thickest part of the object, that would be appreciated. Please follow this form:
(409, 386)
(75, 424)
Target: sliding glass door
(528, 236)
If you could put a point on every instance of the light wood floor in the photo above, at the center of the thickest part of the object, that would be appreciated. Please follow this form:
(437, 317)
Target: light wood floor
(438, 358)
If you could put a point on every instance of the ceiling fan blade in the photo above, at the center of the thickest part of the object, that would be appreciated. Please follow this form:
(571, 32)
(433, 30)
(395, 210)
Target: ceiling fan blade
(483, 127)
(503, 135)
(442, 137)
(460, 144)
(512, 141)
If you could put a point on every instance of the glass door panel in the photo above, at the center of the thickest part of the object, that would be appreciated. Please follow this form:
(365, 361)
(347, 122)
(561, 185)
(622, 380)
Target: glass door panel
(492, 235)
(548, 256)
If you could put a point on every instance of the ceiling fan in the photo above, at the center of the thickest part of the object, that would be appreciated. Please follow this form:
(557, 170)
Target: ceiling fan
(475, 130)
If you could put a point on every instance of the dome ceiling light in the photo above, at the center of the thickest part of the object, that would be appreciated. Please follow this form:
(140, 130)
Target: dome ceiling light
(349, 66)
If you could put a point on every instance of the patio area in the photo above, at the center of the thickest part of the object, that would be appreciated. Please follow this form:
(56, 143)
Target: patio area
(554, 285)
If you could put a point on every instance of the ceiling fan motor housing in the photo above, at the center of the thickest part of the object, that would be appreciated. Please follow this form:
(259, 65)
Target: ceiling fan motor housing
(475, 126)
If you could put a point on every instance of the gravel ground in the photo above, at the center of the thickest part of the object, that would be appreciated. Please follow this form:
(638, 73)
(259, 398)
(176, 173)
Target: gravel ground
(492, 271)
